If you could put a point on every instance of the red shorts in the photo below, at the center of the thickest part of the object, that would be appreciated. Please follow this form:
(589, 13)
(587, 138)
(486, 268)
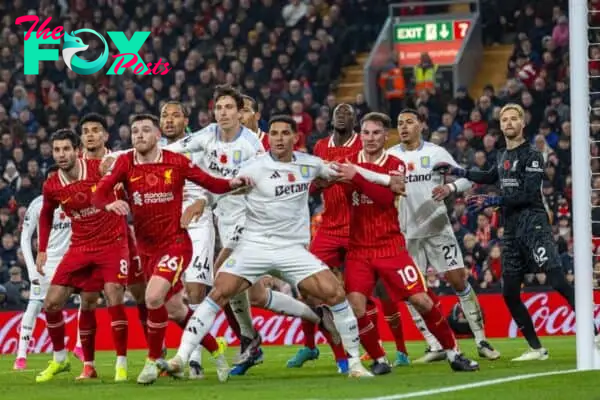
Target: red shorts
(169, 263)
(88, 271)
(399, 274)
(136, 270)
(329, 249)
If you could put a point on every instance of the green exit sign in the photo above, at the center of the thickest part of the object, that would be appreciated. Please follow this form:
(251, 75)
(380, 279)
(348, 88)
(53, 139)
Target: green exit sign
(434, 31)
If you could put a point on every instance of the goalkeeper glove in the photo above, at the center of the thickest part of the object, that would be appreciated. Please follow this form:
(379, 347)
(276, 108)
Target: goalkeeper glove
(444, 168)
(479, 202)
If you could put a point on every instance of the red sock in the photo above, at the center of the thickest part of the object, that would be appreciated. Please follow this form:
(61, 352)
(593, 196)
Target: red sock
(56, 329)
(119, 327)
(434, 297)
(143, 316)
(233, 324)
(158, 319)
(338, 349)
(373, 313)
(309, 329)
(394, 321)
(87, 334)
(438, 326)
(369, 337)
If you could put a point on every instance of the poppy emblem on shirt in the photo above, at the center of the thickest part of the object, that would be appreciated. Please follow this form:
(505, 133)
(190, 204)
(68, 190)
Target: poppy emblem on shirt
(411, 166)
(291, 177)
(61, 215)
(237, 157)
(506, 165)
(168, 176)
(151, 179)
(425, 162)
(223, 159)
(80, 197)
(304, 171)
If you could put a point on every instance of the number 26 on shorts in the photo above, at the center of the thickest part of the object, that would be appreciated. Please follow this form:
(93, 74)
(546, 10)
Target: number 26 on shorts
(170, 263)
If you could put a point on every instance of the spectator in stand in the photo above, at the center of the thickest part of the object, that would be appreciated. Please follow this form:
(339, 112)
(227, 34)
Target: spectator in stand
(560, 33)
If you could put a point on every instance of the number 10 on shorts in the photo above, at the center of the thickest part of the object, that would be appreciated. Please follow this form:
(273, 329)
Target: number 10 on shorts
(410, 276)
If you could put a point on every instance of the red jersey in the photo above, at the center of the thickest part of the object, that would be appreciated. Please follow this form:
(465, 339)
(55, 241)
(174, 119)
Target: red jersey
(336, 206)
(264, 139)
(374, 227)
(93, 228)
(155, 194)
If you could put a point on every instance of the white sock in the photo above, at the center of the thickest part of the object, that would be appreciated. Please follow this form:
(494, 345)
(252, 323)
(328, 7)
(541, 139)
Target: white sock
(472, 311)
(122, 361)
(198, 326)
(432, 342)
(78, 344)
(346, 324)
(34, 307)
(197, 353)
(283, 304)
(240, 304)
(60, 356)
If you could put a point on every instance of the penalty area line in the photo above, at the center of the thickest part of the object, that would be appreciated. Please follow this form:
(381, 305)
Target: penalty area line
(457, 388)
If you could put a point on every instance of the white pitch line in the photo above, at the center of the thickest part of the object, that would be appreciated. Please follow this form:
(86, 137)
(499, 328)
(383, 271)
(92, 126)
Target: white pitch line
(467, 386)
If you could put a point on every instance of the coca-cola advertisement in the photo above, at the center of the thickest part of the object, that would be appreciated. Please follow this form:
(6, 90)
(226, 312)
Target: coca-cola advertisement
(551, 316)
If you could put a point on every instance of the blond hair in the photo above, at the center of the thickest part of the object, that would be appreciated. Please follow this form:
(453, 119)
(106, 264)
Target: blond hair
(515, 107)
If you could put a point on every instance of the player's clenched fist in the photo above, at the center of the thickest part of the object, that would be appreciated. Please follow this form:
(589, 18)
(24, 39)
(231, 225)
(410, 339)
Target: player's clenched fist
(240, 181)
(40, 261)
(345, 171)
(398, 183)
(119, 207)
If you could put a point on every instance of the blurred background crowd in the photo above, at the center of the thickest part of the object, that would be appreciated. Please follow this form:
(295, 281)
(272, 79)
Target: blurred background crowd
(288, 55)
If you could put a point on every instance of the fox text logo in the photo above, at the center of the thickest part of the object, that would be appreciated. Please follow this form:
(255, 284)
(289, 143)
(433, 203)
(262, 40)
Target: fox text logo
(127, 56)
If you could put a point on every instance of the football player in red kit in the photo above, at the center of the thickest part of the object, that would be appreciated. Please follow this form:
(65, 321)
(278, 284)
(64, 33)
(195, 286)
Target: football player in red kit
(97, 258)
(377, 248)
(154, 180)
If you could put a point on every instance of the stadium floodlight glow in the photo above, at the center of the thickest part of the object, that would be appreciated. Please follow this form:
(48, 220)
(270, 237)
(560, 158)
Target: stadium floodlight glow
(581, 174)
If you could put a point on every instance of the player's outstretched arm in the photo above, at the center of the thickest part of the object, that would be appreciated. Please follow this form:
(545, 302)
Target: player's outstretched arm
(103, 197)
(212, 183)
(485, 177)
(190, 144)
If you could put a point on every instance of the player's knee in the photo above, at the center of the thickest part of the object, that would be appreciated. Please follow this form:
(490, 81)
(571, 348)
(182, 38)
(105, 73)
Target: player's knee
(51, 305)
(154, 299)
(114, 294)
(196, 292)
(457, 279)
(138, 292)
(258, 295)
(359, 304)
(421, 302)
(556, 277)
(89, 301)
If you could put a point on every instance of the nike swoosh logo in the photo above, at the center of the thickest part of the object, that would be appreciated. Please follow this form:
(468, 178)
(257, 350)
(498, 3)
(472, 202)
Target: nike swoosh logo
(65, 201)
(135, 179)
(411, 286)
(139, 273)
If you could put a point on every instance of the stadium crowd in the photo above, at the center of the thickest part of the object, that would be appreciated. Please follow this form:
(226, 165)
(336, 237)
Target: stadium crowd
(288, 55)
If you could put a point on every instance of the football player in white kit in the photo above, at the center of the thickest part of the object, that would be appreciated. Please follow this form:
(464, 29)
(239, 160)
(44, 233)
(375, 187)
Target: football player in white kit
(197, 218)
(429, 234)
(60, 237)
(275, 240)
(223, 146)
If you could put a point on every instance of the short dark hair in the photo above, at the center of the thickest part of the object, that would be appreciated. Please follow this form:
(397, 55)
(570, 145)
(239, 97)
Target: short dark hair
(252, 102)
(66, 134)
(144, 116)
(378, 117)
(183, 108)
(94, 117)
(411, 111)
(228, 90)
(287, 119)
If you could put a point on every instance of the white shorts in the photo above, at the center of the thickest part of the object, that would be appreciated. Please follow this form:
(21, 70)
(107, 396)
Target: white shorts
(200, 269)
(442, 252)
(292, 264)
(40, 284)
(230, 233)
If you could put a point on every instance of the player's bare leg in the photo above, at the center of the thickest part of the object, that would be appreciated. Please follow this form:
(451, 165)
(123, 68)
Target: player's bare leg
(53, 305)
(329, 290)
(438, 325)
(196, 292)
(138, 292)
(87, 333)
(369, 336)
(225, 287)
(457, 278)
(114, 294)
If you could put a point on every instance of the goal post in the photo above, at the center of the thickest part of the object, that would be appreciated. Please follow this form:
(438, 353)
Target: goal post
(581, 175)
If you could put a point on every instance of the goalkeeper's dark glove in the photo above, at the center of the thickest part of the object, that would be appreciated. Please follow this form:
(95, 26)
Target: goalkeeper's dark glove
(479, 202)
(444, 168)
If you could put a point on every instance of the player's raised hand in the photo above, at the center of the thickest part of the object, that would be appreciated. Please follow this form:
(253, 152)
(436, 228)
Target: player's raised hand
(241, 181)
(119, 207)
(444, 168)
(479, 202)
(346, 171)
(40, 261)
(441, 192)
(192, 213)
(398, 183)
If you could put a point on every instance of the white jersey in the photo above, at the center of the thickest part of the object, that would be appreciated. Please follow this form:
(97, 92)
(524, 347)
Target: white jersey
(277, 206)
(420, 215)
(193, 192)
(221, 159)
(60, 235)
